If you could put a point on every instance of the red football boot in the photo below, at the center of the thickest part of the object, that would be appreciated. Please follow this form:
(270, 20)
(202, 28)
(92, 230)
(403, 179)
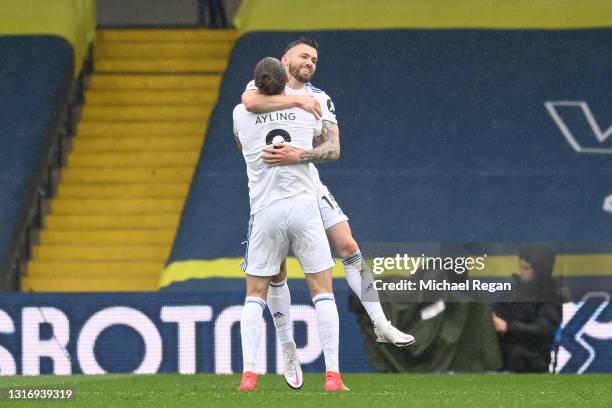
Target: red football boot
(249, 381)
(333, 382)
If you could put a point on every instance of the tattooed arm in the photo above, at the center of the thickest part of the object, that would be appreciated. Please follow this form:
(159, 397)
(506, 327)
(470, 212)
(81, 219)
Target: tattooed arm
(327, 149)
(327, 146)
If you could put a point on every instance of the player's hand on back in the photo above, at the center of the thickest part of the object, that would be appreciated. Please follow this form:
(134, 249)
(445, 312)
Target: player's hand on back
(309, 104)
(281, 155)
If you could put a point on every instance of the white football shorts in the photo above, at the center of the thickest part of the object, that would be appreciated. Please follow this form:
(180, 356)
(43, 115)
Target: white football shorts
(331, 213)
(295, 222)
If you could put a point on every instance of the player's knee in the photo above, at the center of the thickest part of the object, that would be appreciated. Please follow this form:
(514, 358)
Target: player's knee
(349, 247)
(320, 282)
(281, 276)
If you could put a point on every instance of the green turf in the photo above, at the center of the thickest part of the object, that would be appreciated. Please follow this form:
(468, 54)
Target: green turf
(368, 390)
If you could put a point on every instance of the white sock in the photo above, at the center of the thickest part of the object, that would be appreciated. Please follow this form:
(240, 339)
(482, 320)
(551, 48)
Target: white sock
(328, 324)
(279, 303)
(251, 327)
(353, 265)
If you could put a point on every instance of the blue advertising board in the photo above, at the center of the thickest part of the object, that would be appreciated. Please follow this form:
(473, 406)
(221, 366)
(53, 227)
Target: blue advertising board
(169, 332)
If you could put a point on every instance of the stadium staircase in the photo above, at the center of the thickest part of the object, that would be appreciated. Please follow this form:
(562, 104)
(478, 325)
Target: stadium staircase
(113, 222)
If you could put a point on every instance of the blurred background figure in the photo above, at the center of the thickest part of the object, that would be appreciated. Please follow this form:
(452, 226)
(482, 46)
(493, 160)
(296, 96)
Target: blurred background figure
(215, 11)
(526, 325)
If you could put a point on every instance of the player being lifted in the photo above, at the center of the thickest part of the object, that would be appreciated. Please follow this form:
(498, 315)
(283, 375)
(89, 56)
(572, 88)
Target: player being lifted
(300, 59)
(284, 212)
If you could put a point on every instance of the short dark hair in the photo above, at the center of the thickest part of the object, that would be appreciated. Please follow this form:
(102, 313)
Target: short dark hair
(270, 76)
(301, 40)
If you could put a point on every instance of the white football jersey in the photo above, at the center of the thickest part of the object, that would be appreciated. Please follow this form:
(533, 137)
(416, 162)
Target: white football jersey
(328, 113)
(256, 131)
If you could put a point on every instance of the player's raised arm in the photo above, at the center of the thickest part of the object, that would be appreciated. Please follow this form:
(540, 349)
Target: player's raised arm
(254, 101)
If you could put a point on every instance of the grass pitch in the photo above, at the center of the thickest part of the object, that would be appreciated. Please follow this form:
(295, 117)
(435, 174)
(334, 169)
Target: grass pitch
(367, 390)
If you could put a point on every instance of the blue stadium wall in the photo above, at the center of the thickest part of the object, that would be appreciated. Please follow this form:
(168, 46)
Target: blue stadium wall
(200, 332)
(445, 137)
(35, 84)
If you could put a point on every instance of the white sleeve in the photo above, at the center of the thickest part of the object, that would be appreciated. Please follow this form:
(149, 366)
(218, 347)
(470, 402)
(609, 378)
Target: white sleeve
(251, 86)
(328, 108)
(318, 127)
(235, 120)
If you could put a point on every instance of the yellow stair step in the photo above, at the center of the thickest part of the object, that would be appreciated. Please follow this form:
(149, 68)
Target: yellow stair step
(137, 159)
(155, 82)
(101, 253)
(159, 190)
(114, 98)
(141, 129)
(41, 268)
(147, 113)
(154, 221)
(115, 237)
(131, 175)
(165, 35)
(60, 222)
(116, 206)
(63, 269)
(167, 50)
(133, 144)
(118, 284)
(168, 65)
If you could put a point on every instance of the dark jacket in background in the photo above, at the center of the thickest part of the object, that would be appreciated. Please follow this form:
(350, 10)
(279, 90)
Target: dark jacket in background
(533, 316)
(526, 345)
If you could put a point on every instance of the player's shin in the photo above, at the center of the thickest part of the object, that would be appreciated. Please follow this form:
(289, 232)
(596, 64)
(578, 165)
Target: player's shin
(329, 329)
(251, 327)
(358, 274)
(279, 303)
(361, 282)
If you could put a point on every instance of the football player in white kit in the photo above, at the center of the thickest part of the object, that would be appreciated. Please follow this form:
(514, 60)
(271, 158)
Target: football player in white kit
(300, 59)
(284, 212)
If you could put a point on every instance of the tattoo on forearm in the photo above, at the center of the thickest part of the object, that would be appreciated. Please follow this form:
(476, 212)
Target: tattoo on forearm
(327, 151)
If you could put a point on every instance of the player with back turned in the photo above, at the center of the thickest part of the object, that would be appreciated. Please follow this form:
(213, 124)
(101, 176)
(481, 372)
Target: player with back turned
(300, 60)
(284, 213)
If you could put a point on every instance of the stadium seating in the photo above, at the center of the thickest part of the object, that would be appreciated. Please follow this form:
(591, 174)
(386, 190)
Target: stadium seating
(118, 206)
(40, 58)
(445, 137)
(35, 80)
(73, 20)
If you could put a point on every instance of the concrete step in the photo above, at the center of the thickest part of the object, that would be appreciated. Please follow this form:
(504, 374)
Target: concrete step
(106, 253)
(168, 66)
(153, 190)
(147, 113)
(111, 82)
(167, 129)
(116, 206)
(130, 175)
(133, 159)
(136, 144)
(63, 222)
(141, 98)
(100, 284)
(109, 237)
(92, 270)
